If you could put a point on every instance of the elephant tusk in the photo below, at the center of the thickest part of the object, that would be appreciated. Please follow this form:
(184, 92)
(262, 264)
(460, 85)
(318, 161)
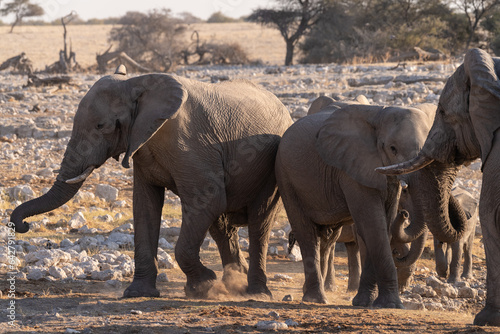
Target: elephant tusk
(406, 167)
(404, 185)
(82, 177)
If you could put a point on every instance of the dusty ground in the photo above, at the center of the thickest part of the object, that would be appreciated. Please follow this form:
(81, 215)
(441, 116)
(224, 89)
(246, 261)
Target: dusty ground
(94, 307)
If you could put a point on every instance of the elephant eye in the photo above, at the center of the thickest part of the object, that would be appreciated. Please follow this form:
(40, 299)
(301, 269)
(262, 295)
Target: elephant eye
(100, 126)
(394, 150)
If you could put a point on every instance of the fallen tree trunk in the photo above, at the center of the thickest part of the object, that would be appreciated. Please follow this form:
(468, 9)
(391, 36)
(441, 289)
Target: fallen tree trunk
(106, 57)
(34, 81)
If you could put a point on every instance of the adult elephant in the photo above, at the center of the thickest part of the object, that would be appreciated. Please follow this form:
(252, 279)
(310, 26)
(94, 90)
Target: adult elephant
(214, 145)
(466, 128)
(325, 171)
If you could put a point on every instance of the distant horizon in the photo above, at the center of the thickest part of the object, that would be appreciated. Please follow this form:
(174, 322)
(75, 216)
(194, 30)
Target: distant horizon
(98, 9)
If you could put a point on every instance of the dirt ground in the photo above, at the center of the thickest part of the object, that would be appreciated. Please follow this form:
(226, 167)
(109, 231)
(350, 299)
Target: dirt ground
(95, 307)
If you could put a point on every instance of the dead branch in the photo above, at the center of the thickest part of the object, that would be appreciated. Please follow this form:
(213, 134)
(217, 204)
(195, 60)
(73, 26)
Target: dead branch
(34, 81)
(106, 57)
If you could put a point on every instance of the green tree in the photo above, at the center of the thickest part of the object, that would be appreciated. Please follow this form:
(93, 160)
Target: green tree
(21, 9)
(293, 18)
(475, 11)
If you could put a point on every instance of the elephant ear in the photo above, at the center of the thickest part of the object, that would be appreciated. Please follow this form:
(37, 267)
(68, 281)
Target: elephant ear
(347, 140)
(319, 104)
(484, 99)
(158, 97)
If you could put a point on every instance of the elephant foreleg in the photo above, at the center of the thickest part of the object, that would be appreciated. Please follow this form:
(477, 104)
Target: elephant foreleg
(148, 204)
(371, 223)
(489, 216)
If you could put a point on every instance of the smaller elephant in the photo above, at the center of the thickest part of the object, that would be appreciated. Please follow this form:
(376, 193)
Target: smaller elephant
(449, 255)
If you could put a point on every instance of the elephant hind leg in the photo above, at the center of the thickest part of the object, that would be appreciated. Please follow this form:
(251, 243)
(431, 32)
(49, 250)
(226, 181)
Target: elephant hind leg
(261, 215)
(307, 236)
(225, 233)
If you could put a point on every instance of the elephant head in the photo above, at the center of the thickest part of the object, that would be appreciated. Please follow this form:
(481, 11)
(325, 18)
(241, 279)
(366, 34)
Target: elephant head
(463, 130)
(115, 116)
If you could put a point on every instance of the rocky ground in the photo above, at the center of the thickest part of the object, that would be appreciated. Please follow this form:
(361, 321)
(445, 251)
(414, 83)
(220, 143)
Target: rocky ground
(76, 261)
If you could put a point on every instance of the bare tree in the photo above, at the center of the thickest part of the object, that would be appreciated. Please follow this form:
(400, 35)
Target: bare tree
(293, 18)
(21, 9)
(475, 10)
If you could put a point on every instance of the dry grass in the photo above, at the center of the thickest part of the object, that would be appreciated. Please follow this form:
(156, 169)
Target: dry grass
(42, 43)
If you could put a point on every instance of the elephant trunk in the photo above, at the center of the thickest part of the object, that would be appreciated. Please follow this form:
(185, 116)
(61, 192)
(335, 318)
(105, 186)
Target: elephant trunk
(416, 249)
(58, 195)
(413, 229)
(443, 214)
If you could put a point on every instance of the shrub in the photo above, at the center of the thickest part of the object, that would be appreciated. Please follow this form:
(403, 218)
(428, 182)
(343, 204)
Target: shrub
(154, 40)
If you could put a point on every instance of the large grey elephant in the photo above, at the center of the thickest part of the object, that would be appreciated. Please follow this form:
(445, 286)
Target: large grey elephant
(325, 171)
(214, 145)
(466, 128)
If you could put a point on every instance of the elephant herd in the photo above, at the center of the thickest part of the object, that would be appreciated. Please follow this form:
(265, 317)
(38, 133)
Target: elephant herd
(380, 175)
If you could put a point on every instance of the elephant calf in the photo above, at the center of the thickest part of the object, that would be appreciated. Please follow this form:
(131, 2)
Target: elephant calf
(449, 255)
(214, 145)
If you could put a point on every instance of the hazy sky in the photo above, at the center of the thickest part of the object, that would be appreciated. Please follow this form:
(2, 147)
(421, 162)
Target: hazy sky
(87, 9)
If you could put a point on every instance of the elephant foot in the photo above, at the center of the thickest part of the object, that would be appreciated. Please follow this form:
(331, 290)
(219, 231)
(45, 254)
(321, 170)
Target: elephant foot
(452, 279)
(388, 301)
(330, 287)
(489, 316)
(199, 287)
(467, 277)
(364, 298)
(141, 288)
(259, 291)
(315, 297)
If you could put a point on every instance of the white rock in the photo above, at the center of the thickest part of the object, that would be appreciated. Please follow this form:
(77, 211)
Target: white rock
(434, 282)
(295, 255)
(165, 244)
(48, 257)
(77, 220)
(424, 291)
(467, 292)
(448, 291)
(114, 283)
(106, 275)
(21, 193)
(35, 274)
(66, 243)
(162, 277)
(165, 260)
(122, 239)
(57, 273)
(106, 192)
(271, 325)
